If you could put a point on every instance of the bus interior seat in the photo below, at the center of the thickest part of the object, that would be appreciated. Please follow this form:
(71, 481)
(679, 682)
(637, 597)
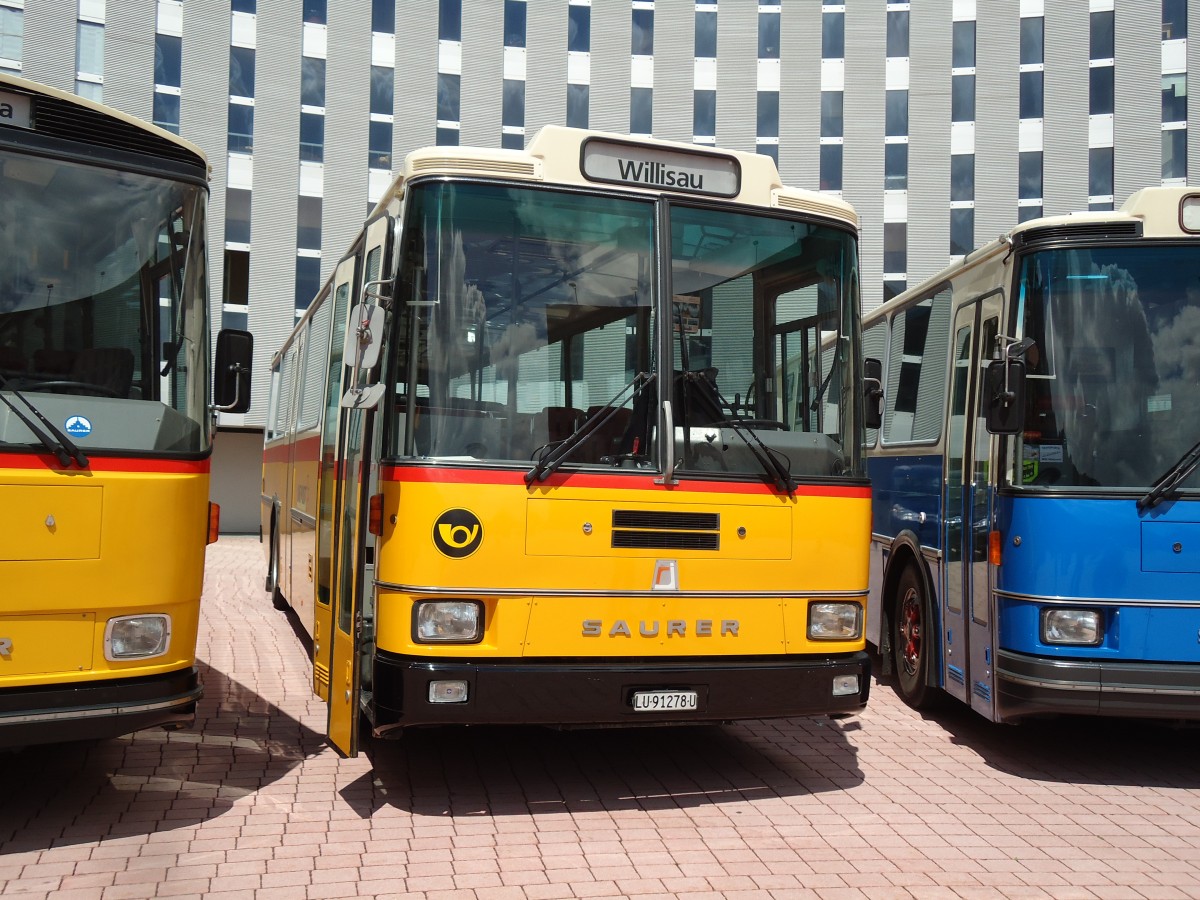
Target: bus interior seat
(607, 438)
(107, 367)
(12, 361)
(48, 362)
(557, 423)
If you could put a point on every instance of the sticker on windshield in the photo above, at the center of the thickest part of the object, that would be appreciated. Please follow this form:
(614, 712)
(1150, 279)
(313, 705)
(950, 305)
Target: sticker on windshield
(78, 426)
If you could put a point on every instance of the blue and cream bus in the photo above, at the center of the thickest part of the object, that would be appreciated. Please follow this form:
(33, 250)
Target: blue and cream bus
(1036, 525)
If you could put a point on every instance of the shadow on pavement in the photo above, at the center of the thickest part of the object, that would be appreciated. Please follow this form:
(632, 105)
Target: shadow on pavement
(501, 771)
(151, 781)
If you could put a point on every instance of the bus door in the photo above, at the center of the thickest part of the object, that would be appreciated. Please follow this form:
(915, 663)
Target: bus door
(353, 568)
(965, 614)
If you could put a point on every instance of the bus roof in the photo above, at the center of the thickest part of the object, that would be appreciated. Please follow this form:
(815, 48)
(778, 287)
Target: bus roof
(575, 156)
(1153, 212)
(183, 148)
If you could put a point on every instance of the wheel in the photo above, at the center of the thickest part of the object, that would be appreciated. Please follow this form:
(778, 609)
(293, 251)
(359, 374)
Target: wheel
(912, 647)
(72, 387)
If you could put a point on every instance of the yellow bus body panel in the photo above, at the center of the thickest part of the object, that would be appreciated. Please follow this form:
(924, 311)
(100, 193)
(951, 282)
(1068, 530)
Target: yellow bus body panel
(46, 522)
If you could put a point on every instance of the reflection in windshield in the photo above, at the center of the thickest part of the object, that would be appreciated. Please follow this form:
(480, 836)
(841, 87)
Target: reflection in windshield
(102, 307)
(1111, 397)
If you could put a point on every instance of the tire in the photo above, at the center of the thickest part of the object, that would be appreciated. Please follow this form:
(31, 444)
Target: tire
(913, 649)
(278, 601)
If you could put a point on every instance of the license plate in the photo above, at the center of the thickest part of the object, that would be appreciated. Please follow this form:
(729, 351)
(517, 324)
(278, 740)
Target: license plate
(664, 701)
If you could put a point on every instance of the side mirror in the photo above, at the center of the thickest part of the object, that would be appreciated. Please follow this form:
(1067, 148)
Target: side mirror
(364, 336)
(231, 375)
(873, 392)
(1004, 396)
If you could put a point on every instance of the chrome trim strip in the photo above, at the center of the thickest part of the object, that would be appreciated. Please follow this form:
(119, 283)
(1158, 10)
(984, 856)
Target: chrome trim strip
(933, 554)
(1097, 601)
(65, 715)
(303, 518)
(658, 595)
(1106, 688)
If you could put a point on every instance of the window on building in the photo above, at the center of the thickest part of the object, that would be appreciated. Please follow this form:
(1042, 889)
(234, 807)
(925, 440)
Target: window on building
(12, 34)
(706, 35)
(1102, 95)
(895, 167)
(1174, 153)
(831, 167)
(166, 111)
(448, 97)
(1025, 213)
(893, 288)
(514, 23)
(383, 81)
(962, 176)
(241, 128)
(642, 37)
(1174, 20)
(379, 149)
(512, 113)
(1032, 94)
(1102, 42)
(833, 35)
(244, 6)
(237, 216)
(446, 137)
(962, 98)
(308, 280)
(89, 49)
(641, 110)
(1033, 40)
(1029, 178)
(579, 29)
(768, 114)
(831, 114)
(236, 288)
(577, 104)
(167, 60)
(896, 114)
(1174, 98)
(704, 113)
(241, 72)
(449, 20)
(308, 223)
(771, 150)
(312, 137)
(962, 231)
(768, 35)
(312, 81)
(963, 53)
(897, 32)
(895, 247)
(90, 90)
(383, 16)
(314, 12)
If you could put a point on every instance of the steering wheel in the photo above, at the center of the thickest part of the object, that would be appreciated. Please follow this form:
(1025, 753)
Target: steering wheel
(66, 386)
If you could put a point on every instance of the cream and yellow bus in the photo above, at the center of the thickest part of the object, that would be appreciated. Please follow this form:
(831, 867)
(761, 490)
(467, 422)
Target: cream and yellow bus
(105, 423)
(527, 460)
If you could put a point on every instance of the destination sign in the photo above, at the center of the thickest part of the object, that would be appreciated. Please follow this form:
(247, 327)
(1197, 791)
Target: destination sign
(640, 165)
(16, 109)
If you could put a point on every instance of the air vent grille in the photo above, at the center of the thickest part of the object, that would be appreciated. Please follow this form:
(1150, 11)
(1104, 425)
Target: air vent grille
(650, 530)
(512, 168)
(1094, 231)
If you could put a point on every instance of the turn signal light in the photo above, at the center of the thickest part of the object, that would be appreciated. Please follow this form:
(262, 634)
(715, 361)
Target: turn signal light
(214, 522)
(994, 547)
(375, 515)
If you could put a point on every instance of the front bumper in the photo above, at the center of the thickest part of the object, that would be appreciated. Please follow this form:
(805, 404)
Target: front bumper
(594, 692)
(98, 709)
(1031, 686)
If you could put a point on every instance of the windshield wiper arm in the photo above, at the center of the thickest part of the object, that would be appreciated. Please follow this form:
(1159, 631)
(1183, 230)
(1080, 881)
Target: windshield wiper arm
(1170, 479)
(547, 463)
(65, 449)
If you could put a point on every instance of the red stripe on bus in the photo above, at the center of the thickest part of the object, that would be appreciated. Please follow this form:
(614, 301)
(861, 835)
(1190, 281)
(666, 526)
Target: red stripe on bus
(107, 464)
(430, 475)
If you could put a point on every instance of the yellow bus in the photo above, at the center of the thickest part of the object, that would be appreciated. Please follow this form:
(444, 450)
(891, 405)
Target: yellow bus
(105, 424)
(526, 460)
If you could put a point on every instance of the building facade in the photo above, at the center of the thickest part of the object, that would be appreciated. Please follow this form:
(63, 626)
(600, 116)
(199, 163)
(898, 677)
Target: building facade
(944, 122)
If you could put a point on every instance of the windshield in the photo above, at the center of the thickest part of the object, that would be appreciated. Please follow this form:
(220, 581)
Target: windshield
(103, 305)
(1111, 398)
(765, 315)
(521, 312)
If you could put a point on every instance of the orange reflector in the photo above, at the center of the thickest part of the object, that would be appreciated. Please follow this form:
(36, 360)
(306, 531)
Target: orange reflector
(214, 522)
(375, 515)
(994, 548)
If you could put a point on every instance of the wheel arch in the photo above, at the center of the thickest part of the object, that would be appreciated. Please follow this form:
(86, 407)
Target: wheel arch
(905, 552)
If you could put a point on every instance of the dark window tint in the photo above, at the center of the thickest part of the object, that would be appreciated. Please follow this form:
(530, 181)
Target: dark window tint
(237, 278)
(449, 20)
(704, 113)
(512, 141)
(895, 247)
(241, 128)
(896, 114)
(962, 98)
(768, 35)
(1032, 40)
(237, 216)
(706, 35)
(1030, 175)
(241, 72)
(771, 150)
(447, 97)
(382, 82)
(1102, 90)
(314, 11)
(1174, 153)
(641, 110)
(577, 104)
(897, 32)
(962, 176)
(379, 154)
(383, 16)
(1032, 93)
(833, 35)
(831, 167)
(312, 137)
(768, 113)
(166, 111)
(513, 111)
(1100, 171)
(308, 223)
(831, 114)
(243, 6)
(312, 81)
(1174, 19)
(895, 167)
(964, 45)
(308, 280)
(893, 289)
(514, 23)
(1102, 35)
(447, 137)
(579, 29)
(166, 60)
(1025, 213)
(962, 231)
(641, 41)
(1174, 98)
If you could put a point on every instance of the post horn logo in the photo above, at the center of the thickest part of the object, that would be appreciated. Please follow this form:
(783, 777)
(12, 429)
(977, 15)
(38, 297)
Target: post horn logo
(457, 533)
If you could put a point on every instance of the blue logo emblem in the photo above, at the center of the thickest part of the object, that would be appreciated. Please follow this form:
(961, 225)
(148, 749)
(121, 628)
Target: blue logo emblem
(78, 426)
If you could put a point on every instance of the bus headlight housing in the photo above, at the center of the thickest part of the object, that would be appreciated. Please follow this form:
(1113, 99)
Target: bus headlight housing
(137, 637)
(448, 622)
(1084, 627)
(835, 621)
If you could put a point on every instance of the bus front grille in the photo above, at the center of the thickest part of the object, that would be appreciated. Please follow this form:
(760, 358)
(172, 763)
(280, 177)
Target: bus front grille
(657, 530)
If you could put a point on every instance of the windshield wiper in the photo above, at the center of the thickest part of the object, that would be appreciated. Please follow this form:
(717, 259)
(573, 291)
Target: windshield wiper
(548, 462)
(766, 457)
(1170, 479)
(65, 449)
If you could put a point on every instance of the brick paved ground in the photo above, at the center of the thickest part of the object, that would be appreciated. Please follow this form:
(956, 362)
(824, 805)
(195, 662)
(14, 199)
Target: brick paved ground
(252, 805)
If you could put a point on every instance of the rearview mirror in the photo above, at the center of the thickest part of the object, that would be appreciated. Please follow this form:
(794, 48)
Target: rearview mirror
(364, 336)
(231, 374)
(873, 392)
(1004, 396)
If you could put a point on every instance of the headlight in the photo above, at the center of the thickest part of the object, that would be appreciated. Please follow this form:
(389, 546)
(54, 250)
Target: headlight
(1072, 626)
(834, 621)
(448, 621)
(137, 637)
